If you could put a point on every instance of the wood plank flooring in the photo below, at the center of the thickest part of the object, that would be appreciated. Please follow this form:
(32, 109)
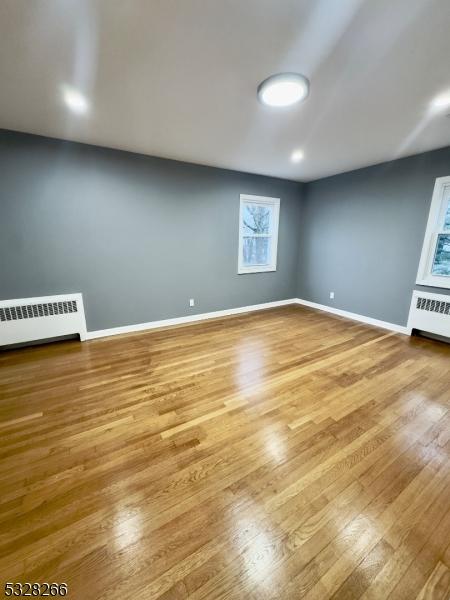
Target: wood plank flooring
(281, 454)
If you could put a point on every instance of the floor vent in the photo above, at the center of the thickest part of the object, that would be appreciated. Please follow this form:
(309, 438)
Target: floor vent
(33, 319)
(430, 313)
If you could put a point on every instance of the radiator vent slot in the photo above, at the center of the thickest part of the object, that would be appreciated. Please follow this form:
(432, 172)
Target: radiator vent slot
(31, 311)
(434, 306)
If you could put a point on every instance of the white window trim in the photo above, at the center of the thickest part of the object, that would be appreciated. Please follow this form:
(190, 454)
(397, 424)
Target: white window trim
(275, 202)
(424, 274)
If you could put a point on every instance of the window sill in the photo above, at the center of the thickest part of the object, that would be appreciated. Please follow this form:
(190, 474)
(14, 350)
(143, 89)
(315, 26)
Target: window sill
(244, 270)
(437, 282)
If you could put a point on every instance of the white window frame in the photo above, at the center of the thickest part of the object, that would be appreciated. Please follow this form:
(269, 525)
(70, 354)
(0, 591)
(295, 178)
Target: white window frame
(435, 224)
(275, 203)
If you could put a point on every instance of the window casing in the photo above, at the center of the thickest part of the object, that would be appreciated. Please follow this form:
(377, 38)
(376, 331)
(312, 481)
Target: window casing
(434, 267)
(258, 234)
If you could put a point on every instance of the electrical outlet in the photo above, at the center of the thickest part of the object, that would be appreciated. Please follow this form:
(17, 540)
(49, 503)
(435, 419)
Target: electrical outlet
(192, 302)
(331, 295)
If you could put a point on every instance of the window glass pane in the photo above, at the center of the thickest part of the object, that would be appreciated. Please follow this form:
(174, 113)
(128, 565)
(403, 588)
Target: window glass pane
(441, 263)
(447, 217)
(257, 218)
(256, 251)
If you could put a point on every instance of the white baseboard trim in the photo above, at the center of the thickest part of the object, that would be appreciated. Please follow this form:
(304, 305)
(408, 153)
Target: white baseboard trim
(355, 317)
(92, 335)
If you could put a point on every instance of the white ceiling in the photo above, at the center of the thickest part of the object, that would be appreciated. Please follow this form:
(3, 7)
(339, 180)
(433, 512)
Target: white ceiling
(178, 78)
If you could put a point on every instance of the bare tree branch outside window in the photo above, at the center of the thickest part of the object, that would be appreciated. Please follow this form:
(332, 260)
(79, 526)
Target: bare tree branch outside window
(257, 220)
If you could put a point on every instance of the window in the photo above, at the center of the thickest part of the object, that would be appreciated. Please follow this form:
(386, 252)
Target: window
(258, 234)
(434, 268)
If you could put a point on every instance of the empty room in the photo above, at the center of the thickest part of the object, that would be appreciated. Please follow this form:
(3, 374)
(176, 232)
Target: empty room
(225, 299)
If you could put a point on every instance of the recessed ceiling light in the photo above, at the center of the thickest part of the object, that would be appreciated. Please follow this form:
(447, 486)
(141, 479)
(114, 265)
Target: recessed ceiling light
(297, 156)
(283, 89)
(441, 102)
(75, 100)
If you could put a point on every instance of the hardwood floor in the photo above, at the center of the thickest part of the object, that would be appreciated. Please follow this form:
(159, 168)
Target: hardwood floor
(281, 454)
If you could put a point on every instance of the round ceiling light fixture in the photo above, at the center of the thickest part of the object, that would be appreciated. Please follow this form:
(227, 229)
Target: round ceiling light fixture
(283, 89)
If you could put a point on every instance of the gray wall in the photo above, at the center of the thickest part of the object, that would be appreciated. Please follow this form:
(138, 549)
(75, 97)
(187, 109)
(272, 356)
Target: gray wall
(138, 236)
(361, 235)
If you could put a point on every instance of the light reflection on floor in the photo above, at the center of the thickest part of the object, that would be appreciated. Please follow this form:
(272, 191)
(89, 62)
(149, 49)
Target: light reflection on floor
(250, 362)
(127, 528)
(275, 446)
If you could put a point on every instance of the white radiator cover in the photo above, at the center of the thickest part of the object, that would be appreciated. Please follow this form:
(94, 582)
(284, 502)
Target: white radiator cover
(430, 313)
(29, 319)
